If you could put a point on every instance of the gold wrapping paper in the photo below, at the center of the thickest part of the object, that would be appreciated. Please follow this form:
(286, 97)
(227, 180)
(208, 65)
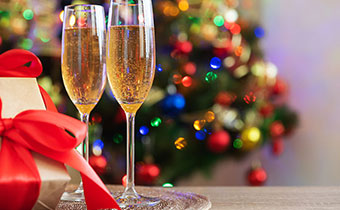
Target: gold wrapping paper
(20, 94)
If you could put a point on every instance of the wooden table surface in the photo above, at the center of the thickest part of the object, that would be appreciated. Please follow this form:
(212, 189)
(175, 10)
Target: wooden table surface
(270, 198)
(257, 198)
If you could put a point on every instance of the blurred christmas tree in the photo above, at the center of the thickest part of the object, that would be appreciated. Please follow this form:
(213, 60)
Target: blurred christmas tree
(214, 95)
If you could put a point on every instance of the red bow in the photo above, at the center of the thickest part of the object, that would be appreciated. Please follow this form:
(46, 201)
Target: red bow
(43, 132)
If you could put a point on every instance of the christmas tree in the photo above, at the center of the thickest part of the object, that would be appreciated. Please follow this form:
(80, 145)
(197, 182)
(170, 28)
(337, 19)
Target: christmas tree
(214, 95)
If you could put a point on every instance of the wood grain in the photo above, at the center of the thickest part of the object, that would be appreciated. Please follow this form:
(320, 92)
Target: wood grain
(264, 198)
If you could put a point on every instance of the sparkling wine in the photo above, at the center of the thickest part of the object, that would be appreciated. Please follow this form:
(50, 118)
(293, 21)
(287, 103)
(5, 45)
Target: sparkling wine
(83, 69)
(130, 64)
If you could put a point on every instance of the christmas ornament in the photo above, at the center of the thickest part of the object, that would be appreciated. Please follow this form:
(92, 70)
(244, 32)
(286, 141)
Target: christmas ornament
(280, 87)
(98, 164)
(276, 129)
(147, 173)
(267, 109)
(278, 146)
(218, 141)
(250, 137)
(225, 98)
(257, 176)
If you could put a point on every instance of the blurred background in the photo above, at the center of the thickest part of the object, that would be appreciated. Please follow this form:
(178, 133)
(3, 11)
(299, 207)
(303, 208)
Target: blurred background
(245, 91)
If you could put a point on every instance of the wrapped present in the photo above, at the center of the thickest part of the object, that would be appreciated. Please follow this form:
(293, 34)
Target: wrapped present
(36, 141)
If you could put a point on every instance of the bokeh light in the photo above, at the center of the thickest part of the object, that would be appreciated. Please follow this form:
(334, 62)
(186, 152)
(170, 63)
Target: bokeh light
(26, 44)
(249, 97)
(143, 130)
(215, 63)
(231, 15)
(199, 124)
(176, 78)
(117, 138)
(167, 185)
(237, 144)
(155, 122)
(187, 81)
(219, 20)
(28, 14)
(235, 28)
(209, 116)
(98, 143)
(229, 62)
(159, 68)
(200, 135)
(254, 134)
(183, 5)
(61, 16)
(210, 77)
(259, 32)
(190, 68)
(180, 143)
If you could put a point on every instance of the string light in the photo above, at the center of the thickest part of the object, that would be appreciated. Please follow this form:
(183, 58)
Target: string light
(28, 14)
(215, 63)
(117, 138)
(168, 185)
(155, 122)
(219, 20)
(180, 143)
(187, 81)
(209, 116)
(237, 144)
(143, 130)
(200, 135)
(199, 124)
(210, 76)
(183, 5)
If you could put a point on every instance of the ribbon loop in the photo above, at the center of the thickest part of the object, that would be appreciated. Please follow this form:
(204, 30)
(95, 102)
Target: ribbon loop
(5, 124)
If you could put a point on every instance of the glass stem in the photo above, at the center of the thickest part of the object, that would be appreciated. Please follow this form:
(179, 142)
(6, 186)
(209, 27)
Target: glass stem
(130, 156)
(84, 146)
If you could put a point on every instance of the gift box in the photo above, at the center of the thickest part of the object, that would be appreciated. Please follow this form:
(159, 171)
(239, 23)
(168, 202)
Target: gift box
(35, 142)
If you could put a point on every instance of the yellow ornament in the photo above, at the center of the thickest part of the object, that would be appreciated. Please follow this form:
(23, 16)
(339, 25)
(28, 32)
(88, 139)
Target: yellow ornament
(251, 137)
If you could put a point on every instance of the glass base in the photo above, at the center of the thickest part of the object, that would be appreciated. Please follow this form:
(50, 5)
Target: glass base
(77, 195)
(130, 198)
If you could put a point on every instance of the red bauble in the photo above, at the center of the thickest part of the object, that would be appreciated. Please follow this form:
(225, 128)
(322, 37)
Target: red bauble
(276, 129)
(280, 87)
(148, 173)
(278, 146)
(98, 164)
(225, 98)
(218, 141)
(267, 110)
(257, 177)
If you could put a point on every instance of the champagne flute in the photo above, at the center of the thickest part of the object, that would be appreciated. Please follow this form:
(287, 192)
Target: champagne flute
(131, 69)
(83, 66)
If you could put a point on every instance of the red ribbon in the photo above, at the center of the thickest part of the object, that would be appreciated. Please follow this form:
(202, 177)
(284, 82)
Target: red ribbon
(43, 132)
